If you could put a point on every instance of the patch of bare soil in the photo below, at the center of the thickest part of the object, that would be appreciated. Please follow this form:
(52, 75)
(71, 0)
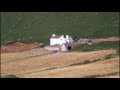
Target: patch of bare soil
(19, 47)
(106, 39)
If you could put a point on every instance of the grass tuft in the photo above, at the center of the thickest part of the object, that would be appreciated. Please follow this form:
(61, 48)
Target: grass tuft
(85, 62)
(102, 75)
(111, 56)
(9, 76)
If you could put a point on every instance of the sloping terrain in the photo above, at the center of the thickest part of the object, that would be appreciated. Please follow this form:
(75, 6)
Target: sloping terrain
(26, 64)
(79, 71)
(18, 56)
(39, 26)
(19, 47)
(100, 60)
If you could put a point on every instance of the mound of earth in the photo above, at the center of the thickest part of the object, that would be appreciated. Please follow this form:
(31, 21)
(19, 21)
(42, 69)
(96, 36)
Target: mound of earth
(19, 47)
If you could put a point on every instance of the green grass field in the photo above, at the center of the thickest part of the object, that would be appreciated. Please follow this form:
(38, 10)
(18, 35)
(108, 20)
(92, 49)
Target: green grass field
(98, 46)
(41, 25)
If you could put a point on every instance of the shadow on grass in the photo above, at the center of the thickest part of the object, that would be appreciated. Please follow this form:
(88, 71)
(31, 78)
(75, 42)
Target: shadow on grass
(111, 56)
(9, 76)
(102, 75)
(85, 62)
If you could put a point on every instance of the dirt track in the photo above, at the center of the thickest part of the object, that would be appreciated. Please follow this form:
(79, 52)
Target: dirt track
(105, 39)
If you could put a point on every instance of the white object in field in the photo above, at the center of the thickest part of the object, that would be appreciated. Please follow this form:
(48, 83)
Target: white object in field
(60, 39)
(53, 35)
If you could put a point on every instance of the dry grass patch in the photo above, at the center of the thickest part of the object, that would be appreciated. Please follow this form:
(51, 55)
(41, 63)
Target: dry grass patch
(11, 57)
(36, 64)
(100, 67)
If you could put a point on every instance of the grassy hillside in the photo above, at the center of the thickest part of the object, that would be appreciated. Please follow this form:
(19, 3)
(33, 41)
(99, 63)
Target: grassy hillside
(38, 26)
(98, 46)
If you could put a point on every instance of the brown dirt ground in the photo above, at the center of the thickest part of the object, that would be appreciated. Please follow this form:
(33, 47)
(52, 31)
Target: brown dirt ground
(19, 47)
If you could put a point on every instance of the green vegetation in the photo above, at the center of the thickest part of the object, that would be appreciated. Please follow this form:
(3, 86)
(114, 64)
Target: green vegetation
(38, 26)
(111, 56)
(85, 62)
(49, 68)
(98, 46)
(9, 76)
(102, 75)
